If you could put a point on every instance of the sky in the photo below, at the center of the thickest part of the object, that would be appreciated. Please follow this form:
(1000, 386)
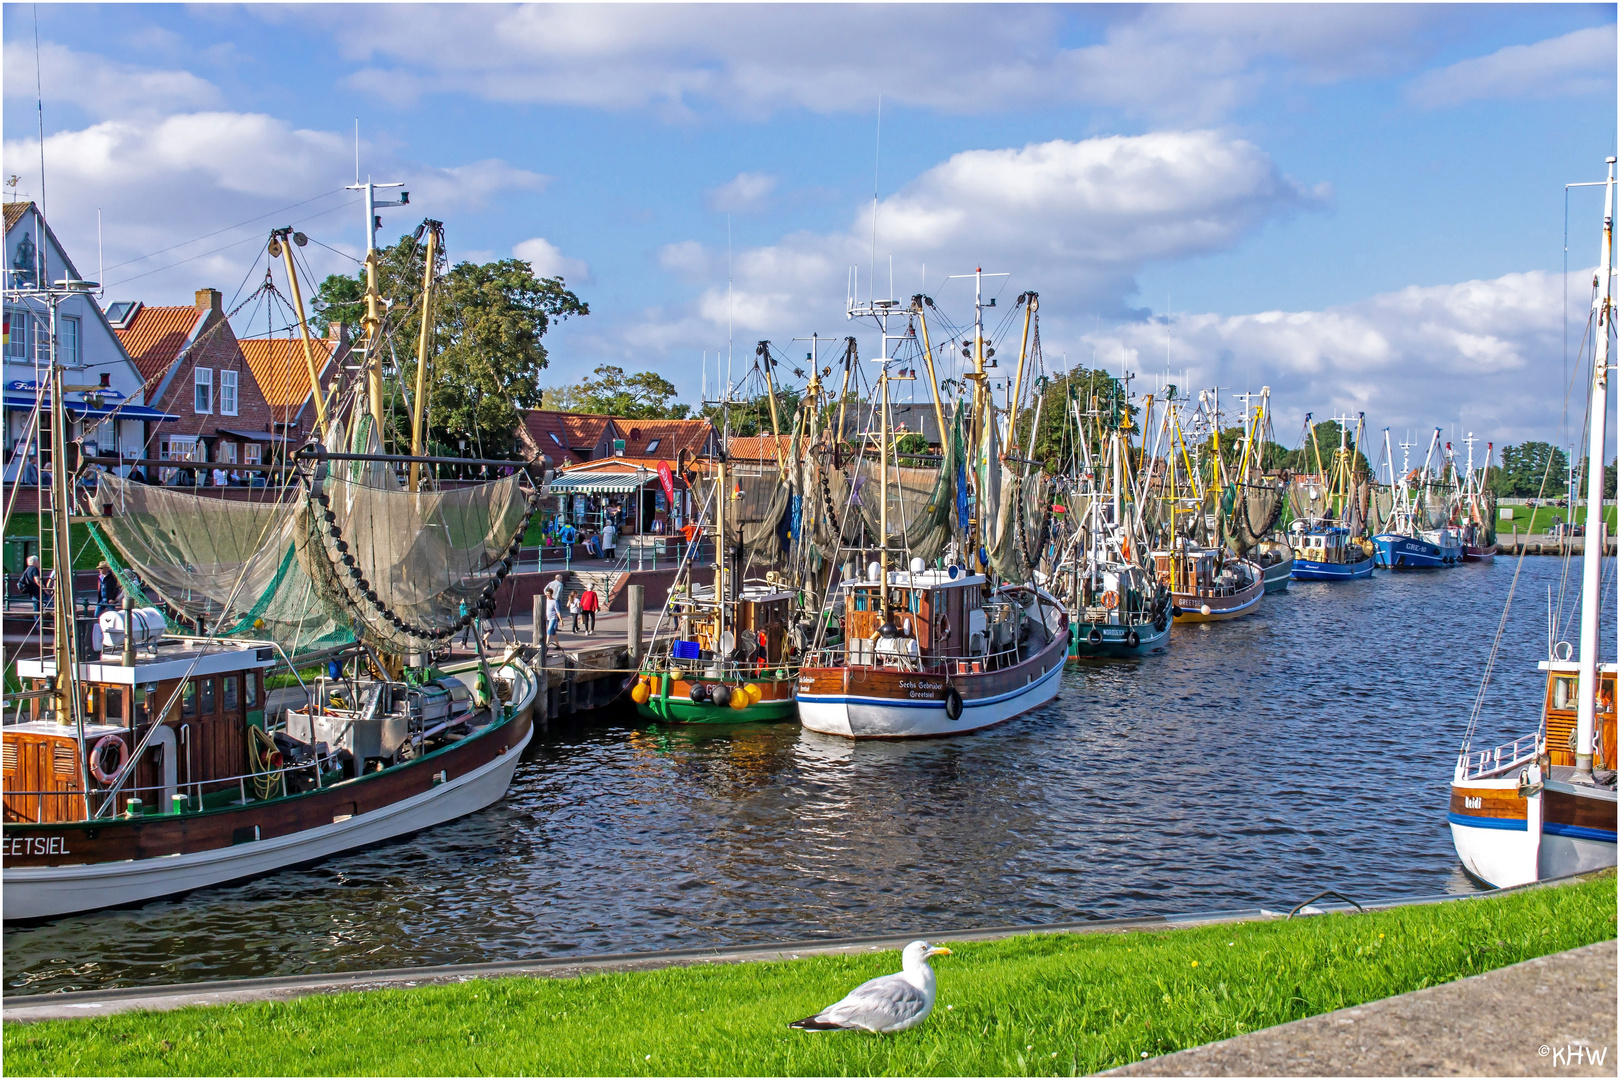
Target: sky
(1361, 206)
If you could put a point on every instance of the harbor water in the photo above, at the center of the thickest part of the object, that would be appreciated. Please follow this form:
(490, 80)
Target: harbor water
(1256, 763)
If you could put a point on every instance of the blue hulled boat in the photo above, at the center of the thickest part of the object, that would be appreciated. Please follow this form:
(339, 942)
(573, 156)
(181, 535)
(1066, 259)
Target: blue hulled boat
(1330, 553)
(1406, 544)
(1398, 551)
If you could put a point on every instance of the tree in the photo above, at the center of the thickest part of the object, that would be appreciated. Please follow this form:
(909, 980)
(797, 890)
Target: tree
(486, 354)
(1527, 467)
(753, 416)
(1054, 443)
(643, 396)
(1324, 441)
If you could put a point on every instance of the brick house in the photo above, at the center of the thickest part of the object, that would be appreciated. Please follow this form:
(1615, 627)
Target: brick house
(608, 465)
(282, 372)
(195, 370)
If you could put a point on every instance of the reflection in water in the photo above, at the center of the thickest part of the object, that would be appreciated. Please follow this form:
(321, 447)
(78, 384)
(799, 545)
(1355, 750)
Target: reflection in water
(1256, 763)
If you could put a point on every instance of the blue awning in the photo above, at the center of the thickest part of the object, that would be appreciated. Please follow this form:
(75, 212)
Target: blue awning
(96, 412)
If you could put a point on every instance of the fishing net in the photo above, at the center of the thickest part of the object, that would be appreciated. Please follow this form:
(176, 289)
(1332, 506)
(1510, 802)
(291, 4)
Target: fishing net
(756, 515)
(312, 570)
(1247, 515)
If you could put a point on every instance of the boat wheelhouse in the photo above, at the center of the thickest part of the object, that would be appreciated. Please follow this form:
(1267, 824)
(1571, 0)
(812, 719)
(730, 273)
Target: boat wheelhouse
(932, 652)
(1329, 553)
(1206, 587)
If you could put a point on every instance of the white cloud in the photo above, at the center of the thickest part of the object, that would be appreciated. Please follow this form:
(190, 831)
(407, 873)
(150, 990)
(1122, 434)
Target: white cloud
(99, 86)
(1077, 220)
(163, 180)
(1187, 63)
(1486, 353)
(547, 261)
(745, 193)
(1582, 62)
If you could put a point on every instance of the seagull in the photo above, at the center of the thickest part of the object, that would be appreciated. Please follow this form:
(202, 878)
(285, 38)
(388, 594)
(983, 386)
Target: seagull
(888, 1003)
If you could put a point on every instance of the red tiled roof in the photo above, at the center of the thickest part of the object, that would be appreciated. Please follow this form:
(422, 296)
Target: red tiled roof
(279, 368)
(15, 211)
(758, 447)
(156, 335)
(565, 436)
(672, 436)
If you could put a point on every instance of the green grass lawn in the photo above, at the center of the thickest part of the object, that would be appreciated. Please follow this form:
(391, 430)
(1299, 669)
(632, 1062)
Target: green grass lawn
(85, 553)
(1048, 1004)
(1543, 518)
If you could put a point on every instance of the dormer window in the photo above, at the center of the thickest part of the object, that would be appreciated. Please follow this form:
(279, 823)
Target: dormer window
(122, 313)
(554, 437)
(652, 447)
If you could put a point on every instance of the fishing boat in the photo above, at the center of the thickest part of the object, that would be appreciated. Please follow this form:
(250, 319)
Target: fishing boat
(1252, 502)
(1207, 582)
(729, 660)
(1476, 508)
(1120, 608)
(1327, 533)
(952, 648)
(144, 759)
(1412, 541)
(1543, 805)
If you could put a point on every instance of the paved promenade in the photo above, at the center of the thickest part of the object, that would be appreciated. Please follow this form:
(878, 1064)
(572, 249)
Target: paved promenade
(1552, 1016)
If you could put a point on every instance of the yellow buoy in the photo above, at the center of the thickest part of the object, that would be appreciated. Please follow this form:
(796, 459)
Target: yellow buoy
(641, 693)
(754, 693)
(739, 699)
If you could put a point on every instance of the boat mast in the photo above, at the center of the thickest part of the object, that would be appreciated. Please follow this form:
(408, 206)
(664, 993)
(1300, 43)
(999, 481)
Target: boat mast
(1592, 555)
(883, 483)
(423, 343)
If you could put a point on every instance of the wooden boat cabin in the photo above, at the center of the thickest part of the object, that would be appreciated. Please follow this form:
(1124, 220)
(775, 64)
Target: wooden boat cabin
(202, 698)
(1194, 570)
(1330, 545)
(939, 620)
(1559, 713)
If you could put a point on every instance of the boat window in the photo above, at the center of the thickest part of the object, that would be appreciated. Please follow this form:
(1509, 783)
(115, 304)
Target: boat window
(860, 599)
(1563, 693)
(208, 697)
(228, 691)
(188, 699)
(251, 696)
(112, 704)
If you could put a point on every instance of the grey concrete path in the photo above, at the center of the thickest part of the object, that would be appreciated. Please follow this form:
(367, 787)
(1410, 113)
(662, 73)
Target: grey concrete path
(1553, 1016)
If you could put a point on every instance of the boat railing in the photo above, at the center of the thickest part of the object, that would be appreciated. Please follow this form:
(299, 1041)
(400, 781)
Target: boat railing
(274, 780)
(1479, 764)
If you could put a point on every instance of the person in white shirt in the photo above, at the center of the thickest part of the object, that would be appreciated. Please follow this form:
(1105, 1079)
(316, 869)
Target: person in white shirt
(553, 620)
(610, 541)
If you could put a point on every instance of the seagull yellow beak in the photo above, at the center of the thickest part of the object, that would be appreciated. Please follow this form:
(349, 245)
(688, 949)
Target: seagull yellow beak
(937, 950)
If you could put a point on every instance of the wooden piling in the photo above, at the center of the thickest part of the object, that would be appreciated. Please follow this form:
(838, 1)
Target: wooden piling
(636, 597)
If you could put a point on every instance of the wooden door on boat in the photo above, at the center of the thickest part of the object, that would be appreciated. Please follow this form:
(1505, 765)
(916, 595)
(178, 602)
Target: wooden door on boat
(1560, 717)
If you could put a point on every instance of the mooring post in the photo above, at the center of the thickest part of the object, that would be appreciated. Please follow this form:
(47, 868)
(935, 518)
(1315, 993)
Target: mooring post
(540, 622)
(637, 600)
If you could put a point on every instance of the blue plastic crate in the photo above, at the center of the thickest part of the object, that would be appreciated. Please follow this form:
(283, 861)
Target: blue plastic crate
(687, 650)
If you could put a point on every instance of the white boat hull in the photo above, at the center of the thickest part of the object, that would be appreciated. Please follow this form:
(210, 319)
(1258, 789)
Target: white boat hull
(884, 718)
(48, 892)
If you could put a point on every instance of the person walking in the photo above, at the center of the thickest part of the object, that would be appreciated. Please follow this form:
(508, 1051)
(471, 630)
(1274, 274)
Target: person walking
(466, 631)
(108, 592)
(610, 541)
(574, 609)
(553, 621)
(29, 583)
(588, 603)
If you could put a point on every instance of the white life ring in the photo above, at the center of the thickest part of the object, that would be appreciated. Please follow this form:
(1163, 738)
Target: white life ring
(95, 758)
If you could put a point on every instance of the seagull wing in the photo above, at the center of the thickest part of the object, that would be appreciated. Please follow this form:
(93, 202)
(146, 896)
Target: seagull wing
(886, 1003)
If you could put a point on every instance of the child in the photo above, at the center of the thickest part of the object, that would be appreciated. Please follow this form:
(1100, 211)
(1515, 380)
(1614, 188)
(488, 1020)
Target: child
(574, 608)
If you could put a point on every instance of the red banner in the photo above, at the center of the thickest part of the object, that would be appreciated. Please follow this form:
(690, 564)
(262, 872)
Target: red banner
(667, 478)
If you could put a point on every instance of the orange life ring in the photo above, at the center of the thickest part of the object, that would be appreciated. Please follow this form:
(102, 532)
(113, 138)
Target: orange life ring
(1110, 600)
(103, 743)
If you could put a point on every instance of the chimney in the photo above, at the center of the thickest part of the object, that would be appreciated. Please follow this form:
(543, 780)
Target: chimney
(210, 300)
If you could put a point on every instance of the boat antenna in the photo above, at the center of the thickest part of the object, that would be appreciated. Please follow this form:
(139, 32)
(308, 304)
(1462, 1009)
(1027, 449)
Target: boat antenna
(357, 151)
(729, 317)
(877, 159)
(39, 101)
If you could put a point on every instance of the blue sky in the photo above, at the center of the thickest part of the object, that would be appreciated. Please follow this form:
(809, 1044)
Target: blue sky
(1360, 206)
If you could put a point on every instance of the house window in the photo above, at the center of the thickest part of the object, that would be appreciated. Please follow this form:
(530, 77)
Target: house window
(250, 453)
(554, 438)
(227, 450)
(16, 334)
(652, 447)
(202, 381)
(227, 393)
(67, 340)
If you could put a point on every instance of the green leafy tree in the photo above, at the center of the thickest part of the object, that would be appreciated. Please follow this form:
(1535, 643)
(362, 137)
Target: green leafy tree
(487, 355)
(1054, 443)
(645, 395)
(1526, 466)
(1326, 442)
(753, 415)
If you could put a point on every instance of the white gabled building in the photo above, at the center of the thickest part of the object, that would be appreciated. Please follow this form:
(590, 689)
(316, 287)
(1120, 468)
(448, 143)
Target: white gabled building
(111, 418)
